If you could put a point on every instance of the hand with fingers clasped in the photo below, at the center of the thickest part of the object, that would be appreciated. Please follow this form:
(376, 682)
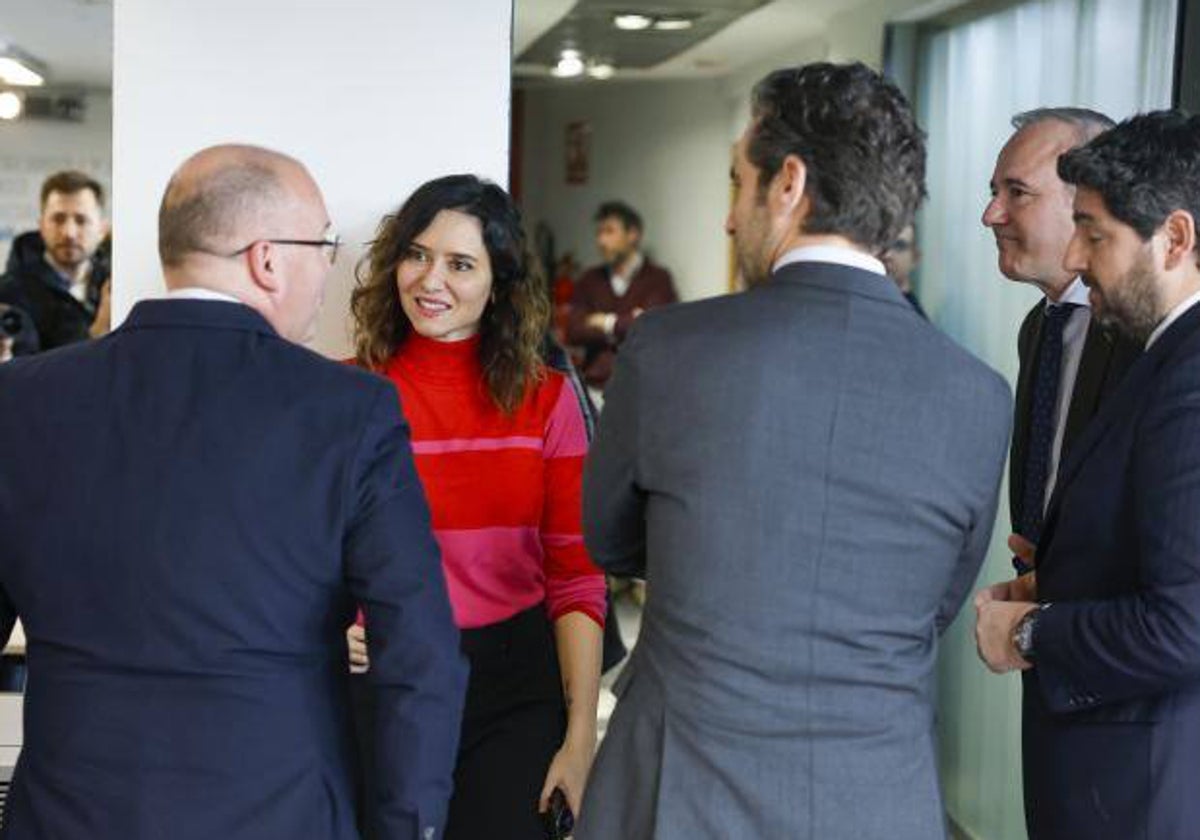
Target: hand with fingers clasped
(356, 642)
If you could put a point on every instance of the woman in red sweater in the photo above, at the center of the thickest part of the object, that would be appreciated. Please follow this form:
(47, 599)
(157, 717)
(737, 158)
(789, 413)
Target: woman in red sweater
(450, 307)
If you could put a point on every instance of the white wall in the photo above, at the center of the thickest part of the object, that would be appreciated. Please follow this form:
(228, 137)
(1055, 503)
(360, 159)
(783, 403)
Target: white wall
(664, 147)
(375, 96)
(32, 149)
(661, 146)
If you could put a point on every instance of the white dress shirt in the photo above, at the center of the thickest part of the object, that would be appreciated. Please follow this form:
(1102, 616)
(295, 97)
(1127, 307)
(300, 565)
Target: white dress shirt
(621, 282)
(1172, 316)
(835, 254)
(197, 293)
(1074, 337)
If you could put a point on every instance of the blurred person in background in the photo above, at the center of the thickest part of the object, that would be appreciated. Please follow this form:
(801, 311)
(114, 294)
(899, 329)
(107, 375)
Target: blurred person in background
(59, 274)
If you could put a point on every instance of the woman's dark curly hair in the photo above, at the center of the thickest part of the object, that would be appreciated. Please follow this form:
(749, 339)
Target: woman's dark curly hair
(516, 317)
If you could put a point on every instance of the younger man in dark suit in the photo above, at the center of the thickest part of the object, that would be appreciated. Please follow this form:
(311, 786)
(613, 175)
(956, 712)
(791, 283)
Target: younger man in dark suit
(1109, 632)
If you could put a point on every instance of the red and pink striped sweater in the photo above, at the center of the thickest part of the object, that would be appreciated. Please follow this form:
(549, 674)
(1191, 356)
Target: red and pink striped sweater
(504, 490)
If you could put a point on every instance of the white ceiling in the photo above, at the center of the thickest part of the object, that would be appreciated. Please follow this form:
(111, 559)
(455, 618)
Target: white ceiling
(73, 38)
(760, 34)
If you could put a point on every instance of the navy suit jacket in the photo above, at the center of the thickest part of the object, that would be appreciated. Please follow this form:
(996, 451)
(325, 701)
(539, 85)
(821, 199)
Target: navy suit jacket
(1112, 707)
(190, 509)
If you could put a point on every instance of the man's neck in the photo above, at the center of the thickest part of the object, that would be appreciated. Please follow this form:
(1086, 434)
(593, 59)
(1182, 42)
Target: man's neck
(1180, 291)
(76, 275)
(826, 240)
(624, 266)
(1056, 288)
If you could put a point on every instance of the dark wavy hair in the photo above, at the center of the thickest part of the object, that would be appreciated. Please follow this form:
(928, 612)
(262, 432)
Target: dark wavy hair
(514, 320)
(856, 134)
(1145, 169)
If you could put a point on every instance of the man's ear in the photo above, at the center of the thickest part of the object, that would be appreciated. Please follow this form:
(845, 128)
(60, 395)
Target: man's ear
(1180, 232)
(787, 192)
(262, 257)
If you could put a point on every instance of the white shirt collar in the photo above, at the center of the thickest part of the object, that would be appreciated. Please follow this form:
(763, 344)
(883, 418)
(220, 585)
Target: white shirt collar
(1173, 316)
(835, 254)
(197, 293)
(635, 265)
(1076, 293)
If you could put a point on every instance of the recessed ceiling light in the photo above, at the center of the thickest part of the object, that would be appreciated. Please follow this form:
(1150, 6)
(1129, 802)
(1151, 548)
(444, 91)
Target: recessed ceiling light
(672, 24)
(10, 105)
(601, 71)
(17, 72)
(569, 65)
(632, 22)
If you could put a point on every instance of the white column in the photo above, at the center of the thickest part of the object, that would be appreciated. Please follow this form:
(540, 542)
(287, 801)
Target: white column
(374, 96)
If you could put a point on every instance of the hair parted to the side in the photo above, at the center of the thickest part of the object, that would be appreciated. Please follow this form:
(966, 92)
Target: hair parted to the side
(1145, 168)
(514, 321)
(855, 133)
(69, 182)
(1086, 122)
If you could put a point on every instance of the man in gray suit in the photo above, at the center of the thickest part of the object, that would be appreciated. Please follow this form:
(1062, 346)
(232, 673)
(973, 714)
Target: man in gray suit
(811, 503)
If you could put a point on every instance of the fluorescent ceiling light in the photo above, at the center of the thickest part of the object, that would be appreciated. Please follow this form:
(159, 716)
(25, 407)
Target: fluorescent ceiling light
(16, 72)
(601, 71)
(672, 24)
(10, 105)
(632, 22)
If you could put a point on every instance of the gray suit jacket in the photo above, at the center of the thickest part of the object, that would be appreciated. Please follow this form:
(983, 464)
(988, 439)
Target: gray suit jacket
(810, 501)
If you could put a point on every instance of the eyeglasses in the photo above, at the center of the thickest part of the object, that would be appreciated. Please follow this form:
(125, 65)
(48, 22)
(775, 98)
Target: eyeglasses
(332, 244)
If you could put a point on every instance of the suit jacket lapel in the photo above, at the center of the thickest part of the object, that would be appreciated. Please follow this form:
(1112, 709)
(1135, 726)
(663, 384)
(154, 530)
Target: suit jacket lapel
(1027, 353)
(1127, 397)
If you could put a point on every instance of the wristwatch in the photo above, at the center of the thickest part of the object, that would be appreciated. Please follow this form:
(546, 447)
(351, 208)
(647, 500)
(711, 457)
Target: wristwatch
(1023, 633)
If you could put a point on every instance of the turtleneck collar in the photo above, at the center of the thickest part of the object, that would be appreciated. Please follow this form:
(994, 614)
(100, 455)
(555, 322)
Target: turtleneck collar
(446, 363)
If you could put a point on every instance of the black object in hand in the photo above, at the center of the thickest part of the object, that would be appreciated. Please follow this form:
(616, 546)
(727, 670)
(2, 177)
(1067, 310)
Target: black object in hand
(10, 322)
(558, 820)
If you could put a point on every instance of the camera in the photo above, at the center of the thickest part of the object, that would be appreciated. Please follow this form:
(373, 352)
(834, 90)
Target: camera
(11, 322)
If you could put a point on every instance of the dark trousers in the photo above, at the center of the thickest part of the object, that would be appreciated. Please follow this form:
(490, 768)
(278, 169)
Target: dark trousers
(514, 723)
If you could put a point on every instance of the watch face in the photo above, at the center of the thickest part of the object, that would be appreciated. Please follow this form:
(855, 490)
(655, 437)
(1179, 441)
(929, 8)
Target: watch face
(1023, 637)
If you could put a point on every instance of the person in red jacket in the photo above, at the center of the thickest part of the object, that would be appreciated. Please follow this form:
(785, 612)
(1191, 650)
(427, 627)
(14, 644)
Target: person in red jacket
(450, 307)
(609, 297)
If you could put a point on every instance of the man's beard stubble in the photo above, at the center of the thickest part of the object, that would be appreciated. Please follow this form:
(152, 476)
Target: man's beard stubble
(1134, 305)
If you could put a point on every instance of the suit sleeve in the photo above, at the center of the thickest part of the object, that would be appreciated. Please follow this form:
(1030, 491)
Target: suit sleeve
(614, 522)
(417, 674)
(1145, 643)
(987, 496)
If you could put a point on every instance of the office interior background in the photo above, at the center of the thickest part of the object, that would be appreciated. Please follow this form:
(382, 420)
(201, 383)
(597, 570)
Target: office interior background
(553, 99)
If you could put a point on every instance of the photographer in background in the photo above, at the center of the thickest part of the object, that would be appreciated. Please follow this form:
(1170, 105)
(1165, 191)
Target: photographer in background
(59, 274)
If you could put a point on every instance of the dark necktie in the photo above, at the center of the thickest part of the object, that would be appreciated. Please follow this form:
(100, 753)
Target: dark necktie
(1044, 400)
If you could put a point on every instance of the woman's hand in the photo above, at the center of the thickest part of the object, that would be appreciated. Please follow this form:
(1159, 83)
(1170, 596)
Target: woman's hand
(569, 772)
(356, 641)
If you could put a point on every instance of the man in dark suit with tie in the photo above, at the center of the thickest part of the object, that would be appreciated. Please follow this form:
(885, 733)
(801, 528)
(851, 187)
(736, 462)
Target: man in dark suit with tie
(1109, 635)
(1068, 361)
(190, 508)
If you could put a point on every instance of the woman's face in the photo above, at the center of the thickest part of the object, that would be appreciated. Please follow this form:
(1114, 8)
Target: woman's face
(445, 278)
